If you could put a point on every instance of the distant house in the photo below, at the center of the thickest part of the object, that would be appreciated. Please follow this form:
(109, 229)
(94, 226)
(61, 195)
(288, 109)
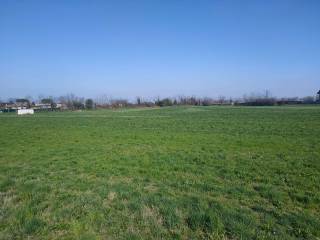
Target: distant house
(58, 105)
(8, 107)
(22, 103)
(61, 106)
(36, 107)
(42, 106)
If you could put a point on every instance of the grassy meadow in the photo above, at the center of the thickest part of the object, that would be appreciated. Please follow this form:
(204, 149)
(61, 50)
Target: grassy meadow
(162, 173)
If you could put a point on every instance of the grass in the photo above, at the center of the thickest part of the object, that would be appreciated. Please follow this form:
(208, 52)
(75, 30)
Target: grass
(169, 173)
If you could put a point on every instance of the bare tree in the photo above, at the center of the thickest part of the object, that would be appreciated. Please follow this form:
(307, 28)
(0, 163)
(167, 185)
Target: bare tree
(103, 100)
(72, 102)
(221, 99)
(138, 100)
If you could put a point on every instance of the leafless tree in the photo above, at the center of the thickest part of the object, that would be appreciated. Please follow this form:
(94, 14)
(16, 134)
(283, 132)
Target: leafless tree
(138, 100)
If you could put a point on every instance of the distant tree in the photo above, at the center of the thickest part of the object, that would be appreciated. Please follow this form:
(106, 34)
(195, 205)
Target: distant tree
(76, 104)
(29, 98)
(267, 94)
(138, 100)
(89, 103)
(72, 102)
(257, 99)
(46, 100)
(308, 100)
(207, 101)
(22, 100)
(118, 103)
(49, 101)
(40, 97)
(11, 100)
(103, 101)
(164, 102)
(167, 102)
(175, 102)
(222, 99)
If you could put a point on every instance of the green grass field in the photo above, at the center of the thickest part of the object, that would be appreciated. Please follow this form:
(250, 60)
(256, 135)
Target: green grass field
(169, 173)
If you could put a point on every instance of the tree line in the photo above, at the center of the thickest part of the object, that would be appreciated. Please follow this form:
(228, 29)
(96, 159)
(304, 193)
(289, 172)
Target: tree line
(73, 102)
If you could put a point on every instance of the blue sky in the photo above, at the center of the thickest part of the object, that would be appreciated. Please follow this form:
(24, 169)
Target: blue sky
(159, 48)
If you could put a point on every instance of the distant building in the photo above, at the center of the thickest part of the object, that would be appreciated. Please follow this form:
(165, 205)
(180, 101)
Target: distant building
(8, 107)
(25, 104)
(61, 106)
(318, 96)
(25, 111)
(42, 106)
(22, 103)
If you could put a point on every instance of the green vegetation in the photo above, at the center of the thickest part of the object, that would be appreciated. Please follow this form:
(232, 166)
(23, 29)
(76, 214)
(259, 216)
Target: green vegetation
(166, 173)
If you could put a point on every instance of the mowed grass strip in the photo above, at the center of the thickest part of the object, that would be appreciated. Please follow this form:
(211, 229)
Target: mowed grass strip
(169, 173)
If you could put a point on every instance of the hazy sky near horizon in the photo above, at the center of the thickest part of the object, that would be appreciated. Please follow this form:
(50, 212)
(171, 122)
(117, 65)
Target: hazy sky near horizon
(127, 48)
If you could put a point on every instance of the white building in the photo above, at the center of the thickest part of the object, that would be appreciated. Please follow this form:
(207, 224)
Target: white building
(25, 111)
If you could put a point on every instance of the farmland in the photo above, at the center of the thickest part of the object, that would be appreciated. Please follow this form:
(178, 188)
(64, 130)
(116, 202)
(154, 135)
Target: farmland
(161, 173)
